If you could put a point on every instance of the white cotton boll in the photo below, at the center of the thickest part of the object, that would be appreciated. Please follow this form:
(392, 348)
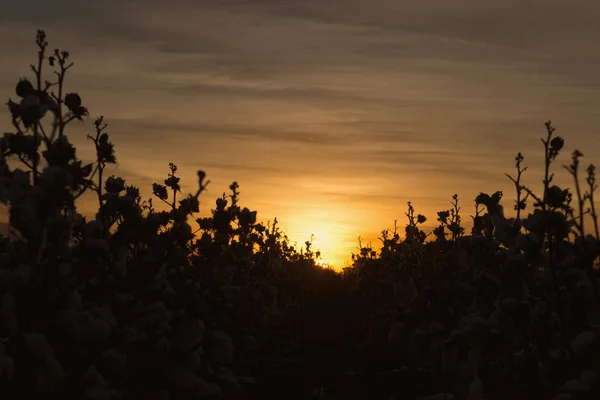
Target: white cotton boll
(22, 273)
(20, 178)
(116, 362)
(188, 335)
(6, 277)
(439, 396)
(556, 354)
(583, 341)
(182, 378)
(81, 331)
(75, 301)
(67, 318)
(249, 380)
(53, 368)
(99, 389)
(222, 350)
(208, 390)
(564, 396)
(250, 343)
(228, 381)
(105, 313)
(575, 386)
(162, 395)
(7, 367)
(4, 260)
(589, 377)
(100, 328)
(92, 375)
(122, 298)
(156, 306)
(96, 244)
(585, 287)
(163, 328)
(396, 332)
(100, 392)
(509, 302)
(214, 391)
(122, 255)
(475, 389)
(130, 335)
(27, 213)
(163, 344)
(37, 344)
(93, 229)
(64, 270)
(8, 314)
(195, 361)
(169, 293)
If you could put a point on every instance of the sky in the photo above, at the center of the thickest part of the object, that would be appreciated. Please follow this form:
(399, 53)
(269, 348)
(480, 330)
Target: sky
(330, 114)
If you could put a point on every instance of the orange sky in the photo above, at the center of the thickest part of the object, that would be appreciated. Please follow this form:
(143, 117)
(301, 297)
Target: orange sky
(330, 114)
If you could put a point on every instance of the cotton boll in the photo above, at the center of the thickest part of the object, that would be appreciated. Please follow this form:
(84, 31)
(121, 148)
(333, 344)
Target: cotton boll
(7, 313)
(162, 395)
(122, 298)
(28, 215)
(163, 345)
(182, 378)
(195, 361)
(250, 343)
(100, 329)
(396, 332)
(564, 396)
(227, 381)
(105, 314)
(64, 270)
(130, 335)
(97, 245)
(168, 290)
(22, 273)
(115, 362)
(4, 260)
(208, 390)
(575, 386)
(475, 389)
(221, 350)
(75, 302)
(53, 368)
(583, 341)
(29, 102)
(585, 287)
(93, 229)
(37, 344)
(100, 392)
(188, 334)
(589, 377)
(7, 367)
(163, 328)
(99, 389)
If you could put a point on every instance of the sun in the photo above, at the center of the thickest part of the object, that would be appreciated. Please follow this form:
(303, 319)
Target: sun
(327, 235)
(323, 263)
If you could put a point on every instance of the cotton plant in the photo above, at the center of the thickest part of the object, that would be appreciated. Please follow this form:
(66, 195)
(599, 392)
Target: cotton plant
(134, 301)
(516, 302)
(76, 292)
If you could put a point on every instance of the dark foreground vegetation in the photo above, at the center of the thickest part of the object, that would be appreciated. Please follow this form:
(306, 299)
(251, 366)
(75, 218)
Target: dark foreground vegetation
(155, 303)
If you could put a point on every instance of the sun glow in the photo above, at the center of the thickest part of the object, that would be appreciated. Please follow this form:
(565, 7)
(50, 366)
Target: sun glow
(329, 230)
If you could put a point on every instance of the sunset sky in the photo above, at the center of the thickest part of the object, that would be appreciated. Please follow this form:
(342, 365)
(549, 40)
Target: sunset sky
(331, 114)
